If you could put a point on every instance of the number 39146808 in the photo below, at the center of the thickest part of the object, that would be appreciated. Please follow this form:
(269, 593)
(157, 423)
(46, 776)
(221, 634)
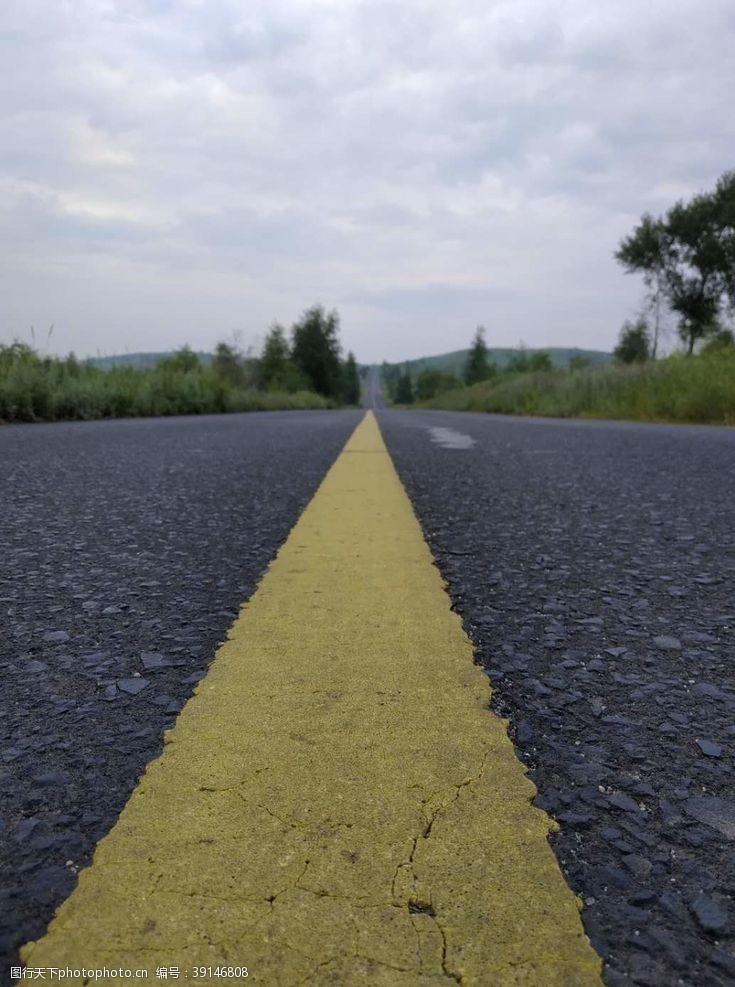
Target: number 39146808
(231, 972)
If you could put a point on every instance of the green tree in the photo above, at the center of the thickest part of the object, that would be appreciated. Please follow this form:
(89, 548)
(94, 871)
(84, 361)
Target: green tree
(520, 362)
(390, 374)
(431, 382)
(540, 360)
(275, 360)
(351, 380)
(689, 256)
(696, 272)
(634, 345)
(648, 250)
(477, 367)
(227, 365)
(183, 361)
(316, 350)
(404, 388)
(723, 339)
(725, 205)
(579, 362)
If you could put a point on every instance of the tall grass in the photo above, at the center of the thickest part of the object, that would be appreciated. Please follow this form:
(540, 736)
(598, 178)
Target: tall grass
(676, 389)
(34, 389)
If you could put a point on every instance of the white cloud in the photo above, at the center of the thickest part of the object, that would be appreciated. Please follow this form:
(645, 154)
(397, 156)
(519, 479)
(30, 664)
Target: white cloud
(173, 170)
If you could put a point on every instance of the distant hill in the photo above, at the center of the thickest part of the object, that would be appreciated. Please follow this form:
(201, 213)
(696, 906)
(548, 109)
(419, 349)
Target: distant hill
(454, 362)
(449, 362)
(137, 359)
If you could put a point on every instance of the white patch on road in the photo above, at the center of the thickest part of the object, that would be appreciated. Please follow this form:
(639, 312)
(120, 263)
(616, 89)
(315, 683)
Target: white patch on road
(447, 438)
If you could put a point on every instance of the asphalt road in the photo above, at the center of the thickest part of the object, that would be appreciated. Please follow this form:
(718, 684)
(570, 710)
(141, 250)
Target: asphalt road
(336, 805)
(373, 394)
(593, 565)
(126, 549)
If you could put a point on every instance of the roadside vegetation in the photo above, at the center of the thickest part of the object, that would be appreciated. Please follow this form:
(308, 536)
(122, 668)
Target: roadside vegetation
(675, 389)
(687, 259)
(305, 371)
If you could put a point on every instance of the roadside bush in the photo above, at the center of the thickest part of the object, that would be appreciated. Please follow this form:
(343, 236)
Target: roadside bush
(676, 389)
(35, 389)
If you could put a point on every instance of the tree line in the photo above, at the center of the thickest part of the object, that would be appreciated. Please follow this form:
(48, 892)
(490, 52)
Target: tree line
(303, 371)
(676, 388)
(309, 361)
(405, 388)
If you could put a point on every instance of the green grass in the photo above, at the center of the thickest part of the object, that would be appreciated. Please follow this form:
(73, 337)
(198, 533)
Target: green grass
(699, 389)
(36, 389)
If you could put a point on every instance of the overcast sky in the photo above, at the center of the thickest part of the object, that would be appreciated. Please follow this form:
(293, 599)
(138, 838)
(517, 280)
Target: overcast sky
(175, 171)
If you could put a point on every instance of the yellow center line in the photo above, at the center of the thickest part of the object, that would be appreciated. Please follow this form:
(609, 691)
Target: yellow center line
(335, 804)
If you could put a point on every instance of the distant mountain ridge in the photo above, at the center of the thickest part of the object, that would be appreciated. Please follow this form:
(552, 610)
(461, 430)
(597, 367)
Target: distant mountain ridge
(138, 359)
(454, 362)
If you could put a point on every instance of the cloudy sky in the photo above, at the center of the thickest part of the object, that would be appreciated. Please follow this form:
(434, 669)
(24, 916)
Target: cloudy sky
(179, 170)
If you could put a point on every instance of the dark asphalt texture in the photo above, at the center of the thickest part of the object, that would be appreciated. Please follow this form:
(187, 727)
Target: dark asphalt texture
(594, 567)
(126, 549)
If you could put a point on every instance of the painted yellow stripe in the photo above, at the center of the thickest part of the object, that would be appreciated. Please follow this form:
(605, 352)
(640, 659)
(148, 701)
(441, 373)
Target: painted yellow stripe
(335, 805)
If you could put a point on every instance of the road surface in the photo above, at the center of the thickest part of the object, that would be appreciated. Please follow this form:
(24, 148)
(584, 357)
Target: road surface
(121, 540)
(373, 392)
(593, 566)
(591, 563)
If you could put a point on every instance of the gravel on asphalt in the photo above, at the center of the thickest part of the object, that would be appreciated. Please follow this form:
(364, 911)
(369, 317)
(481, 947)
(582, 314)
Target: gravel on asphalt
(127, 550)
(593, 565)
